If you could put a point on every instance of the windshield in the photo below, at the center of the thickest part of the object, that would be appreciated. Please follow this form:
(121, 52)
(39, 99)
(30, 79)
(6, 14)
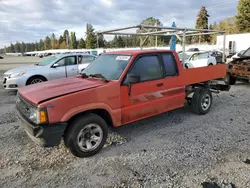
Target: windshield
(186, 56)
(198, 56)
(247, 52)
(47, 61)
(110, 66)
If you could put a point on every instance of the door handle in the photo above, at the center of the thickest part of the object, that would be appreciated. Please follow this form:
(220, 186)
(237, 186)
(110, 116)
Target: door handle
(159, 84)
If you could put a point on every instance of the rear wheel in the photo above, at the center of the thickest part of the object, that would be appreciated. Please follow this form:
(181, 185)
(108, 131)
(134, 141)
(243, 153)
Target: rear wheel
(35, 80)
(86, 135)
(202, 101)
(230, 80)
(210, 64)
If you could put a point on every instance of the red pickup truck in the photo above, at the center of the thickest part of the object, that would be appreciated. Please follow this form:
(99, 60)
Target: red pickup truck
(116, 89)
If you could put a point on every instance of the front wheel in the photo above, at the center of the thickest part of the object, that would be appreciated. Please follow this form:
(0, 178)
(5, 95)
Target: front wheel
(35, 80)
(86, 135)
(202, 101)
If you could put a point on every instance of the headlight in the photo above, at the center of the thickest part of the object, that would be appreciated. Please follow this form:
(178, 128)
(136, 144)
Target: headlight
(33, 115)
(38, 116)
(16, 74)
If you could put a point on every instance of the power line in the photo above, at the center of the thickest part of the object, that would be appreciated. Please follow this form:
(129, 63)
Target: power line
(208, 8)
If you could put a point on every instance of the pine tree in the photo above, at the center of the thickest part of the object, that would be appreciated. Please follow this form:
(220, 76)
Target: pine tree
(66, 37)
(243, 16)
(47, 43)
(91, 38)
(41, 45)
(53, 38)
(73, 42)
(12, 48)
(120, 42)
(23, 47)
(101, 41)
(202, 23)
(81, 44)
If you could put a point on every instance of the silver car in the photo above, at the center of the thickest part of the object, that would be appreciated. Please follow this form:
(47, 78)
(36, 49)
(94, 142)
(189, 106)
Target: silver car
(54, 67)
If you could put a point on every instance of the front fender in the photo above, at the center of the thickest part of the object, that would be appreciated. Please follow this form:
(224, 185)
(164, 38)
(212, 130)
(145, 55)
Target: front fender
(114, 113)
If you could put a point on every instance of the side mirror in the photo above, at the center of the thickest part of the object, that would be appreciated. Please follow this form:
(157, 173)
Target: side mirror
(55, 65)
(133, 78)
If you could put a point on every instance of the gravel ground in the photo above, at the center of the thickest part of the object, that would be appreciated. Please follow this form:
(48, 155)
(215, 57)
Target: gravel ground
(176, 149)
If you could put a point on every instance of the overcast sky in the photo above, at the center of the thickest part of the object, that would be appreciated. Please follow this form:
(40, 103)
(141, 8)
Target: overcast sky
(30, 20)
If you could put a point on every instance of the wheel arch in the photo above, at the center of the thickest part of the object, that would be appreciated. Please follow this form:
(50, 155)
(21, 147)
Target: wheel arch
(36, 75)
(98, 111)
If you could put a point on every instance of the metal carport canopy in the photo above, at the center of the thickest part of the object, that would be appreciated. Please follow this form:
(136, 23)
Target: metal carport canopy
(165, 31)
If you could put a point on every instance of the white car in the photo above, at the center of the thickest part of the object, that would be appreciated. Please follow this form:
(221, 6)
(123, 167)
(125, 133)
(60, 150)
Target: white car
(237, 55)
(53, 67)
(199, 59)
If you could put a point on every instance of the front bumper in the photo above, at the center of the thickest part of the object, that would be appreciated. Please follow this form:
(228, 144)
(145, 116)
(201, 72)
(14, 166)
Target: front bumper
(14, 83)
(44, 135)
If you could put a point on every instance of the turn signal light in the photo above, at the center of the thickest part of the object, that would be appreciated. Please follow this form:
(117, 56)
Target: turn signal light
(43, 117)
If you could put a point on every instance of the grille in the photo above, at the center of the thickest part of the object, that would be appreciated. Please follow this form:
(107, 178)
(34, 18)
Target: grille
(23, 106)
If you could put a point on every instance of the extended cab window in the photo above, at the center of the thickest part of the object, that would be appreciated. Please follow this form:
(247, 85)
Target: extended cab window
(148, 68)
(170, 65)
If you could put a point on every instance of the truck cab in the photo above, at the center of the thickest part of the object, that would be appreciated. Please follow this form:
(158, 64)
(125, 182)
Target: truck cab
(116, 89)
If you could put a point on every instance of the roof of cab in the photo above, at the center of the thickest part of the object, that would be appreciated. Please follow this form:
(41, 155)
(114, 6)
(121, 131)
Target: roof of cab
(136, 52)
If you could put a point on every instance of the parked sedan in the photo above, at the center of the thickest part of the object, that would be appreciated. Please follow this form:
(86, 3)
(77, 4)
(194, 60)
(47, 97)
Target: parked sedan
(200, 59)
(218, 56)
(51, 68)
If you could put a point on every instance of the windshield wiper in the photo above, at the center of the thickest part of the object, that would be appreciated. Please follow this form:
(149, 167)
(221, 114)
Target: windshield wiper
(99, 76)
(84, 75)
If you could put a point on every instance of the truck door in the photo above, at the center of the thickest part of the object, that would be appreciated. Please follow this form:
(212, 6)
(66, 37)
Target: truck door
(145, 98)
(174, 91)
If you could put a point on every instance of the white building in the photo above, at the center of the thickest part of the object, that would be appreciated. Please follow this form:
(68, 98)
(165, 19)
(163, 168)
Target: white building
(234, 42)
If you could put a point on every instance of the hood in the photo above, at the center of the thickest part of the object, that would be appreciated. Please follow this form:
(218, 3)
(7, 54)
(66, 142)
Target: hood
(22, 69)
(47, 90)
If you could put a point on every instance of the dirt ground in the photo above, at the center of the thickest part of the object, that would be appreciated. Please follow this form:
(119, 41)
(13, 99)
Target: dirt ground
(175, 149)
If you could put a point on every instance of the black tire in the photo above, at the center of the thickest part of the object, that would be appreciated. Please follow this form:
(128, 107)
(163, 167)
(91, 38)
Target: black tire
(74, 129)
(210, 64)
(230, 80)
(32, 80)
(201, 95)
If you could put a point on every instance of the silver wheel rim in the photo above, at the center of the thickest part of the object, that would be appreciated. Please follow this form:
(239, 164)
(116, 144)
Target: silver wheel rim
(205, 102)
(90, 137)
(35, 81)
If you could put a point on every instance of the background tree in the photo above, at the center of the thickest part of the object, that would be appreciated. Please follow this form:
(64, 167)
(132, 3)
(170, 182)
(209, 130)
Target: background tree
(73, 42)
(202, 23)
(17, 47)
(12, 48)
(23, 47)
(81, 44)
(41, 44)
(152, 39)
(53, 39)
(47, 43)
(243, 16)
(60, 41)
(101, 41)
(119, 42)
(90, 37)
(66, 37)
